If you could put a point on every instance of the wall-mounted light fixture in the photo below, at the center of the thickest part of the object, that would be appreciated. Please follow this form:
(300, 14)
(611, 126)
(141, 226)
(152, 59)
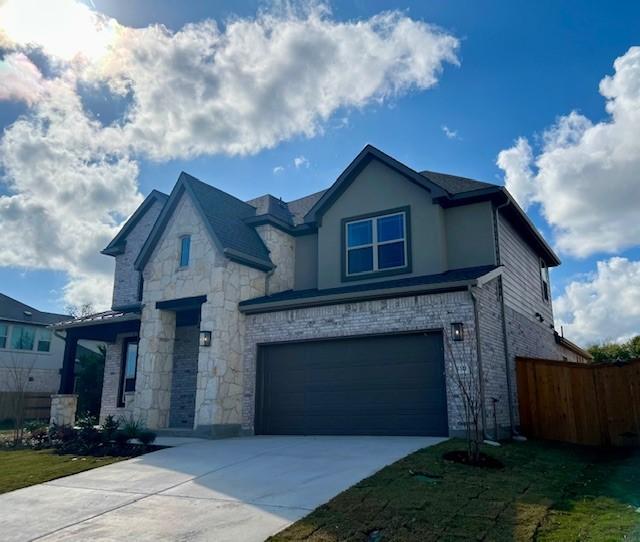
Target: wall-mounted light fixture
(457, 331)
(205, 338)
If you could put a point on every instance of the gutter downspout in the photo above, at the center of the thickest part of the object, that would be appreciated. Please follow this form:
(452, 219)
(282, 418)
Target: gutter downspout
(472, 293)
(507, 356)
(267, 276)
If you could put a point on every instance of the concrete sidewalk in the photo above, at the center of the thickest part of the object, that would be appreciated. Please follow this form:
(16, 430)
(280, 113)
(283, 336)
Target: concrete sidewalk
(225, 490)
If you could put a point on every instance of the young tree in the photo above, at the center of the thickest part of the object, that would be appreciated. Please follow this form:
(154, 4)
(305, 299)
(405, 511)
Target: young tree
(18, 373)
(80, 311)
(466, 376)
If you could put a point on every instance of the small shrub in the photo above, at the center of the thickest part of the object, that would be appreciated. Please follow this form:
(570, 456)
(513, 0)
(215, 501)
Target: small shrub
(109, 428)
(121, 438)
(86, 420)
(146, 437)
(132, 427)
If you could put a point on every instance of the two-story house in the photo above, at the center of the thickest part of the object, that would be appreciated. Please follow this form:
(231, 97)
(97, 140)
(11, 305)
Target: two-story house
(343, 312)
(30, 354)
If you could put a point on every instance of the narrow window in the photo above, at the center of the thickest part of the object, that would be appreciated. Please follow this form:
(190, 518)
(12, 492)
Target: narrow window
(185, 248)
(129, 369)
(4, 332)
(44, 340)
(376, 244)
(22, 338)
(544, 278)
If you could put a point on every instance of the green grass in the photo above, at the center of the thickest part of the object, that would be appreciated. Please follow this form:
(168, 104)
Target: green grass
(546, 493)
(22, 468)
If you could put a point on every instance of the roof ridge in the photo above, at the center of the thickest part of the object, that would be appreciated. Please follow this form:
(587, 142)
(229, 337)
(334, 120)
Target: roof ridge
(210, 186)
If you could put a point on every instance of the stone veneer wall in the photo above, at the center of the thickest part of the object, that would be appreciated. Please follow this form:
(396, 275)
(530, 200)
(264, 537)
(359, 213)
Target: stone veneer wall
(63, 409)
(281, 247)
(436, 311)
(111, 383)
(225, 283)
(126, 278)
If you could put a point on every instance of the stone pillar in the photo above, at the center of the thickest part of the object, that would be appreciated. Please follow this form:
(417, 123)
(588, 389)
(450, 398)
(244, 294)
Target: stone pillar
(63, 409)
(155, 366)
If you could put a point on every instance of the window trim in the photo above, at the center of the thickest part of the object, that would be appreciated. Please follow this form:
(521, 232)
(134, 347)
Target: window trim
(181, 251)
(545, 280)
(120, 402)
(405, 269)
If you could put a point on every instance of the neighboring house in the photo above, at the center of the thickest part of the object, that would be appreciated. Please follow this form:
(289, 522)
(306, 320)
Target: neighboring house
(572, 352)
(337, 313)
(29, 350)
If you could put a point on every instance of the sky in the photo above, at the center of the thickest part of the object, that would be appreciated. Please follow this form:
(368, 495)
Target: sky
(103, 101)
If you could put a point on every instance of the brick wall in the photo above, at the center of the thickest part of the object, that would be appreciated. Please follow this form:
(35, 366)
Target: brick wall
(435, 311)
(185, 373)
(111, 382)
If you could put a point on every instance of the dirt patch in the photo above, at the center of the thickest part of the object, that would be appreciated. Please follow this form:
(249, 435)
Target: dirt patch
(484, 461)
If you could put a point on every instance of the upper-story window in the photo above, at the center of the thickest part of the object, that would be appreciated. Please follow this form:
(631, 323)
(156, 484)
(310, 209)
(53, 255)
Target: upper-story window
(4, 333)
(376, 244)
(544, 279)
(185, 249)
(44, 340)
(22, 338)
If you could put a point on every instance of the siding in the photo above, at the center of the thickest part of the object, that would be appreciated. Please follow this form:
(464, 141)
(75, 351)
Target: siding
(521, 278)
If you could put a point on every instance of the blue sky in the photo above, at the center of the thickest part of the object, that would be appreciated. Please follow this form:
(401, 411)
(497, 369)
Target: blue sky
(522, 65)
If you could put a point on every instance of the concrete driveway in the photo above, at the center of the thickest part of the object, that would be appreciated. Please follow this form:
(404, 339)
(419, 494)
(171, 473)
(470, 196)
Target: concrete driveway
(237, 489)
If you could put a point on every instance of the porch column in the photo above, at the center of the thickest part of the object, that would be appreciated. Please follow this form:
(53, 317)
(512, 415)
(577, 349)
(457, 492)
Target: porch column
(68, 363)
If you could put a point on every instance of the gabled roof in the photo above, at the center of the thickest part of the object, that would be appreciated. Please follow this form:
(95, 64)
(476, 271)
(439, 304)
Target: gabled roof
(15, 311)
(116, 246)
(454, 184)
(223, 216)
(365, 156)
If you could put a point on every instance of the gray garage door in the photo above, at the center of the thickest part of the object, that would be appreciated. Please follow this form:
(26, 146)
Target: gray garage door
(374, 385)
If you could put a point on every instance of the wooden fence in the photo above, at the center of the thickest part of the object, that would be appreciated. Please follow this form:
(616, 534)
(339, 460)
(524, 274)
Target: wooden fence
(580, 403)
(35, 405)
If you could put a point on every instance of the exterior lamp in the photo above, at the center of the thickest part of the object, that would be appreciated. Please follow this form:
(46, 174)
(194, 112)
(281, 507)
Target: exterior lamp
(205, 338)
(457, 331)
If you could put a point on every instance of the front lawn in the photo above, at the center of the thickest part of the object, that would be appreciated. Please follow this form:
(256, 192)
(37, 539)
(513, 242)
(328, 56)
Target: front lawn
(25, 467)
(546, 493)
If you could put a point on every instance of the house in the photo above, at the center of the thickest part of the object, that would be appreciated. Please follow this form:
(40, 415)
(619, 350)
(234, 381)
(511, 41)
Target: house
(30, 354)
(343, 312)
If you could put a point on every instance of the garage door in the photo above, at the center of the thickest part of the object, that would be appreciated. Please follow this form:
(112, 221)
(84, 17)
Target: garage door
(374, 385)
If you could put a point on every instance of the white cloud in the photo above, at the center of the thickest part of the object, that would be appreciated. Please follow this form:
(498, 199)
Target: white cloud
(205, 89)
(277, 170)
(300, 161)
(585, 176)
(67, 186)
(603, 306)
(451, 134)
(19, 79)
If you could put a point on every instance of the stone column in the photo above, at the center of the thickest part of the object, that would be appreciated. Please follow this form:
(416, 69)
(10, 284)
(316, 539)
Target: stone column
(63, 409)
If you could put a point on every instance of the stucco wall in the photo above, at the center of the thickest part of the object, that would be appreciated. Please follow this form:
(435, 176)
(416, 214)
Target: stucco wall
(306, 265)
(225, 283)
(126, 278)
(470, 235)
(379, 188)
(381, 316)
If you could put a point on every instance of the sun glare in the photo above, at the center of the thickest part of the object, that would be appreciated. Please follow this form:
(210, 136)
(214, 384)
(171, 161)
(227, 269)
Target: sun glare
(65, 29)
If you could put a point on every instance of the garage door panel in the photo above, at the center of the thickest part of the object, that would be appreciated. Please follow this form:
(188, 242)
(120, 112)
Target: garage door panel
(382, 385)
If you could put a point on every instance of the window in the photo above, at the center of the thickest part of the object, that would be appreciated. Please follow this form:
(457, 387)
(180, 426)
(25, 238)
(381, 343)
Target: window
(44, 340)
(376, 244)
(185, 247)
(129, 368)
(4, 333)
(544, 278)
(22, 338)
